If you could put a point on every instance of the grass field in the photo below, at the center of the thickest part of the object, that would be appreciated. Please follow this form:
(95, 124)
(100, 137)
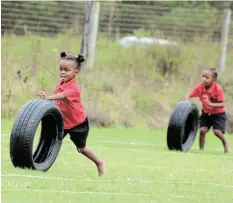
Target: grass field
(139, 168)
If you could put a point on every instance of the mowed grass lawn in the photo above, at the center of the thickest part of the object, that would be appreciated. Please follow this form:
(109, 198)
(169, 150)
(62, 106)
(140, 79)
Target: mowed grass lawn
(139, 168)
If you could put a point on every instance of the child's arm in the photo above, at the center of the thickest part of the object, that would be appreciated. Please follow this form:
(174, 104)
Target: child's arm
(187, 97)
(59, 96)
(195, 92)
(219, 100)
(215, 105)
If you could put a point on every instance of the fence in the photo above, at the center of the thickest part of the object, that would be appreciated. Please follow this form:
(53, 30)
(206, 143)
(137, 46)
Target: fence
(117, 19)
(49, 18)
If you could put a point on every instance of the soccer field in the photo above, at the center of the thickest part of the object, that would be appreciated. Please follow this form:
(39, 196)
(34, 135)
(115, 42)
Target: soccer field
(139, 168)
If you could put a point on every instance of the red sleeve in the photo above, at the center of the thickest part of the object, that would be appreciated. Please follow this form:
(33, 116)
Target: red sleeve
(196, 91)
(72, 93)
(220, 95)
(56, 88)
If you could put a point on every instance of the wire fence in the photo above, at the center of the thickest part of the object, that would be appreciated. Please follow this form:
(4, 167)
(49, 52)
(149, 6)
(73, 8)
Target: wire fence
(116, 19)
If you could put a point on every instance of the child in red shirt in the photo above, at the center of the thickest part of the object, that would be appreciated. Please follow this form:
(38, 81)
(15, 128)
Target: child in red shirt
(67, 98)
(213, 115)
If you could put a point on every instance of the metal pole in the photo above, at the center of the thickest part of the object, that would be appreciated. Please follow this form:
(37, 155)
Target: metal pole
(224, 38)
(93, 32)
(84, 44)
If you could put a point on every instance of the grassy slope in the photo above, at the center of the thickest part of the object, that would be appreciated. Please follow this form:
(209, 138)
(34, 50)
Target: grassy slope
(124, 88)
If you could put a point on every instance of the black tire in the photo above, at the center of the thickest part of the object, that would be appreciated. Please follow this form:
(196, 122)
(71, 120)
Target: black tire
(183, 126)
(23, 132)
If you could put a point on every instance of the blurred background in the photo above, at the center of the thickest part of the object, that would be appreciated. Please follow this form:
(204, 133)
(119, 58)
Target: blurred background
(143, 57)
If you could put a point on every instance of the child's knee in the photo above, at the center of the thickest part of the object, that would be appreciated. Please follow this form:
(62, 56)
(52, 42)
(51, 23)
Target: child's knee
(217, 132)
(203, 130)
(81, 150)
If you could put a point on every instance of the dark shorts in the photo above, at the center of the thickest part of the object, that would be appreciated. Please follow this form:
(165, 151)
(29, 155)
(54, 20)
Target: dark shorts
(217, 121)
(79, 133)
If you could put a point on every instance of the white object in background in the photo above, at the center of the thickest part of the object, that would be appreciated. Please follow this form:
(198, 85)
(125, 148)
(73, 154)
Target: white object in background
(130, 40)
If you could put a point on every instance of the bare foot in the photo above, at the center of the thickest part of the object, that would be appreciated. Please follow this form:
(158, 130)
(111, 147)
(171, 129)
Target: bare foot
(100, 168)
(226, 147)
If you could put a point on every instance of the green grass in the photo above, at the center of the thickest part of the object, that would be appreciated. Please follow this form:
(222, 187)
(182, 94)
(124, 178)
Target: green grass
(139, 168)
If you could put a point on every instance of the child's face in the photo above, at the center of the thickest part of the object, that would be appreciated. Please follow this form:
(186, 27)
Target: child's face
(207, 78)
(68, 70)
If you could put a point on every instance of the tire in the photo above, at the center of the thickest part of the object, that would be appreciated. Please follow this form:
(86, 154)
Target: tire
(183, 126)
(23, 132)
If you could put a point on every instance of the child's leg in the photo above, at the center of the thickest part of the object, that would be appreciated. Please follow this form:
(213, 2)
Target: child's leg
(204, 128)
(203, 131)
(92, 156)
(79, 136)
(221, 136)
(219, 125)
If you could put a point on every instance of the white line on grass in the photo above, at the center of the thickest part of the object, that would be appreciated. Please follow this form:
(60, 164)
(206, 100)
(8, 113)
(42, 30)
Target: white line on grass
(128, 180)
(200, 170)
(168, 152)
(131, 143)
(146, 144)
(120, 194)
(128, 143)
(39, 177)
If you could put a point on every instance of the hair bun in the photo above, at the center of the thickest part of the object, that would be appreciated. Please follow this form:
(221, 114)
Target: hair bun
(80, 58)
(63, 54)
(214, 72)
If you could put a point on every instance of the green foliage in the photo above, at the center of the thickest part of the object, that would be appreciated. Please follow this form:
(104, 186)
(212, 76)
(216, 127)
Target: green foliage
(134, 86)
(143, 33)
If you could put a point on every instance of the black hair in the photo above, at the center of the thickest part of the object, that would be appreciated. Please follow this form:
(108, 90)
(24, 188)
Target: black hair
(78, 60)
(214, 72)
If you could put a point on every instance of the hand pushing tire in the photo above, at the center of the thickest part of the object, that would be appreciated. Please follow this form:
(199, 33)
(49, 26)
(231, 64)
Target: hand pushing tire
(23, 133)
(183, 126)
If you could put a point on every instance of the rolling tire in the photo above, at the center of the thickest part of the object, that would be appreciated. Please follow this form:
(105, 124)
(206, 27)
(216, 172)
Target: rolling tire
(23, 132)
(183, 126)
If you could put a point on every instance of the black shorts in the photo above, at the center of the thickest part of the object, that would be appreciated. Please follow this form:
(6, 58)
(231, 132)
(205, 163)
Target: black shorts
(78, 134)
(217, 121)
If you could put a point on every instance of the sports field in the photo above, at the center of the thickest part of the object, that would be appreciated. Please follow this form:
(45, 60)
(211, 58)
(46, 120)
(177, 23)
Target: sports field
(139, 168)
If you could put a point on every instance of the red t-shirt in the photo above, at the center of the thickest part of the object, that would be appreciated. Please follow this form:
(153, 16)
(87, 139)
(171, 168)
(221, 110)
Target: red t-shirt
(215, 94)
(71, 107)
